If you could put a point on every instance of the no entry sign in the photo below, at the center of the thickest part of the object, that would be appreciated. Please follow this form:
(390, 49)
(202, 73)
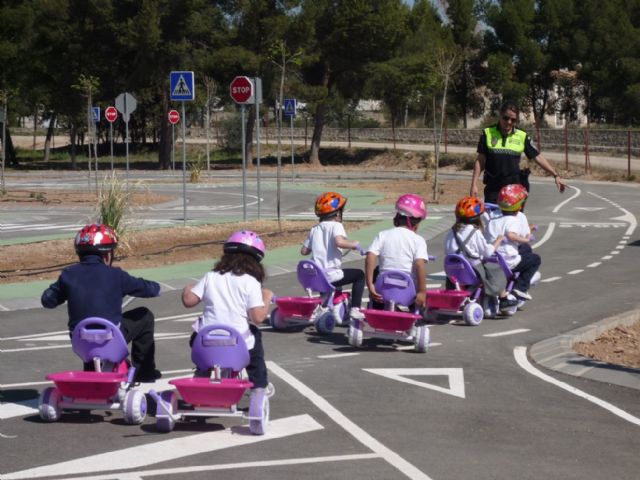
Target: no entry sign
(111, 114)
(241, 90)
(174, 117)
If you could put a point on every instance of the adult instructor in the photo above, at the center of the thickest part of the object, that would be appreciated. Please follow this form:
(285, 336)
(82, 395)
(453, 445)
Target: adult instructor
(499, 151)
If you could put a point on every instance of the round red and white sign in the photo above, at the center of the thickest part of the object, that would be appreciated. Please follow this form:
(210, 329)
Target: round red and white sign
(111, 114)
(241, 90)
(174, 117)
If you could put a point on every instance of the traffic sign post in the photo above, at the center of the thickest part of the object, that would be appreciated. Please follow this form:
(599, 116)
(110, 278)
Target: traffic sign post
(126, 105)
(174, 117)
(111, 114)
(258, 94)
(182, 89)
(289, 110)
(242, 92)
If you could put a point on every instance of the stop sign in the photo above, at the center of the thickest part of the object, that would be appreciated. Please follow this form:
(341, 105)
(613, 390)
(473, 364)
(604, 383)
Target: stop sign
(111, 114)
(241, 90)
(174, 117)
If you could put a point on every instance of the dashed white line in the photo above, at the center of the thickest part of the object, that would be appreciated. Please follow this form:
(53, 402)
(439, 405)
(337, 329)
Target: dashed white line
(575, 272)
(550, 279)
(520, 354)
(508, 332)
(615, 252)
(607, 257)
(594, 264)
(620, 247)
(339, 355)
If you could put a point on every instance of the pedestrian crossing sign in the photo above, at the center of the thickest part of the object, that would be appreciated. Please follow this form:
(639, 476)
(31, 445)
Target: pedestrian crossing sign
(289, 109)
(182, 86)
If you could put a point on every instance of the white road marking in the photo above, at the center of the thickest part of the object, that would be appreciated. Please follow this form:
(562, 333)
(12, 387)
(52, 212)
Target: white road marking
(412, 347)
(615, 252)
(455, 375)
(3, 308)
(339, 355)
(607, 257)
(35, 335)
(620, 247)
(550, 279)
(520, 354)
(562, 204)
(171, 449)
(357, 432)
(232, 466)
(18, 409)
(508, 332)
(594, 264)
(575, 272)
(31, 349)
(546, 236)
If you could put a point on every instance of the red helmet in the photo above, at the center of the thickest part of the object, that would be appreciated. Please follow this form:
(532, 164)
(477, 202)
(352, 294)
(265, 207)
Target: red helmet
(329, 203)
(245, 241)
(469, 208)
(411, 205)
(512, 197)
(95, 238)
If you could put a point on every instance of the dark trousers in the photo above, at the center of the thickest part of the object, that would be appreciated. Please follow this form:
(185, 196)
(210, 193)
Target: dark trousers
(356, 277)
(257, 368)
(528, 266)
(137, 328)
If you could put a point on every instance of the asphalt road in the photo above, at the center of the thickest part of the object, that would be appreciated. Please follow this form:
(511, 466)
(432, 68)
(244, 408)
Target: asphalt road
(472, 407)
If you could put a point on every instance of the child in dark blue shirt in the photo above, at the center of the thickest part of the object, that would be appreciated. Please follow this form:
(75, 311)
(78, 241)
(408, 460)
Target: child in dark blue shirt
(93, 288)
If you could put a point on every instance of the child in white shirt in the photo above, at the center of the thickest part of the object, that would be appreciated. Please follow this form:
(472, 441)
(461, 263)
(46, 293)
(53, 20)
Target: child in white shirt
(324, 243)
(466, 238)
(232, 295)
(400, 248)
(520, 259)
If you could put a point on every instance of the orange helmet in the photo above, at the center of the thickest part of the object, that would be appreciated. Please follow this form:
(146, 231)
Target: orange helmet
(329, 203)
(512, 197)
(469, 208)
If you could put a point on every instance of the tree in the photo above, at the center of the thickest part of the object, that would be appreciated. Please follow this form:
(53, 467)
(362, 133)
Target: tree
(347, 35)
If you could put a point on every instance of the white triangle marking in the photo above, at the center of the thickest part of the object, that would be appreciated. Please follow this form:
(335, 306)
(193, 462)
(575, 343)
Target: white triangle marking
(167, 450)
(456, 378)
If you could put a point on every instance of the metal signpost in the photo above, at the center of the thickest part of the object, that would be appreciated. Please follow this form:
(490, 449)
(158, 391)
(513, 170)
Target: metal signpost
(95, 113)
(289, 110)
(111, 114)
(126, 105)
(174, 117)
(258, 84)
(3, 120)
(242, 92)
(182, 89)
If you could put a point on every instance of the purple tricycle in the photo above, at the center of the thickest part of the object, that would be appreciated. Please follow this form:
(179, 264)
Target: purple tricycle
(398, 292)
(467, 298)
(323, 307)
(99, 341)
(219, 353)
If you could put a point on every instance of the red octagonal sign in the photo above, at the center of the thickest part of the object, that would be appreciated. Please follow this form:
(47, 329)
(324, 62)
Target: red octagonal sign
(111, 114)
(174, 117)
(241, 90)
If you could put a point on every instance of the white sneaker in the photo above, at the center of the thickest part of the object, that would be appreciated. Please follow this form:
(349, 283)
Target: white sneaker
(522, 295)
(356, 314)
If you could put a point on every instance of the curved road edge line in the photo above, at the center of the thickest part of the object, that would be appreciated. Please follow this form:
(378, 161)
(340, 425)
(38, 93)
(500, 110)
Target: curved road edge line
(520, 354)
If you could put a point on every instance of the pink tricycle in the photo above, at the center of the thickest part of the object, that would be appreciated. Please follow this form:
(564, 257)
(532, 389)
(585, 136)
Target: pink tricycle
(323, 306)
(219, 353)
(467, 298)
(107, 388)
(397, 290)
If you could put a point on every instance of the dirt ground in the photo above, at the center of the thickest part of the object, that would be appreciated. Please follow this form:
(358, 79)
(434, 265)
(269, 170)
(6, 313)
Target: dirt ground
(165, 246)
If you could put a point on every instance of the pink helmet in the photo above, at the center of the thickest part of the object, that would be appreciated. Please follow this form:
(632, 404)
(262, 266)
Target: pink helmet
(411, 205)
(245, 241)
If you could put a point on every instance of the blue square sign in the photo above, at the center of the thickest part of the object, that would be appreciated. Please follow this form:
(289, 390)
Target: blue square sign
(95, 113)
(182, 86)
(289, 107)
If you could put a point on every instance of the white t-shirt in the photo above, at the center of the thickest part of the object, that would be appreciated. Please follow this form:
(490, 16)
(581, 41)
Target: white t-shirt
(502, 226)
(398, 248)
(227, 299)
(324, 251)
(524, 229)
(477, 245)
